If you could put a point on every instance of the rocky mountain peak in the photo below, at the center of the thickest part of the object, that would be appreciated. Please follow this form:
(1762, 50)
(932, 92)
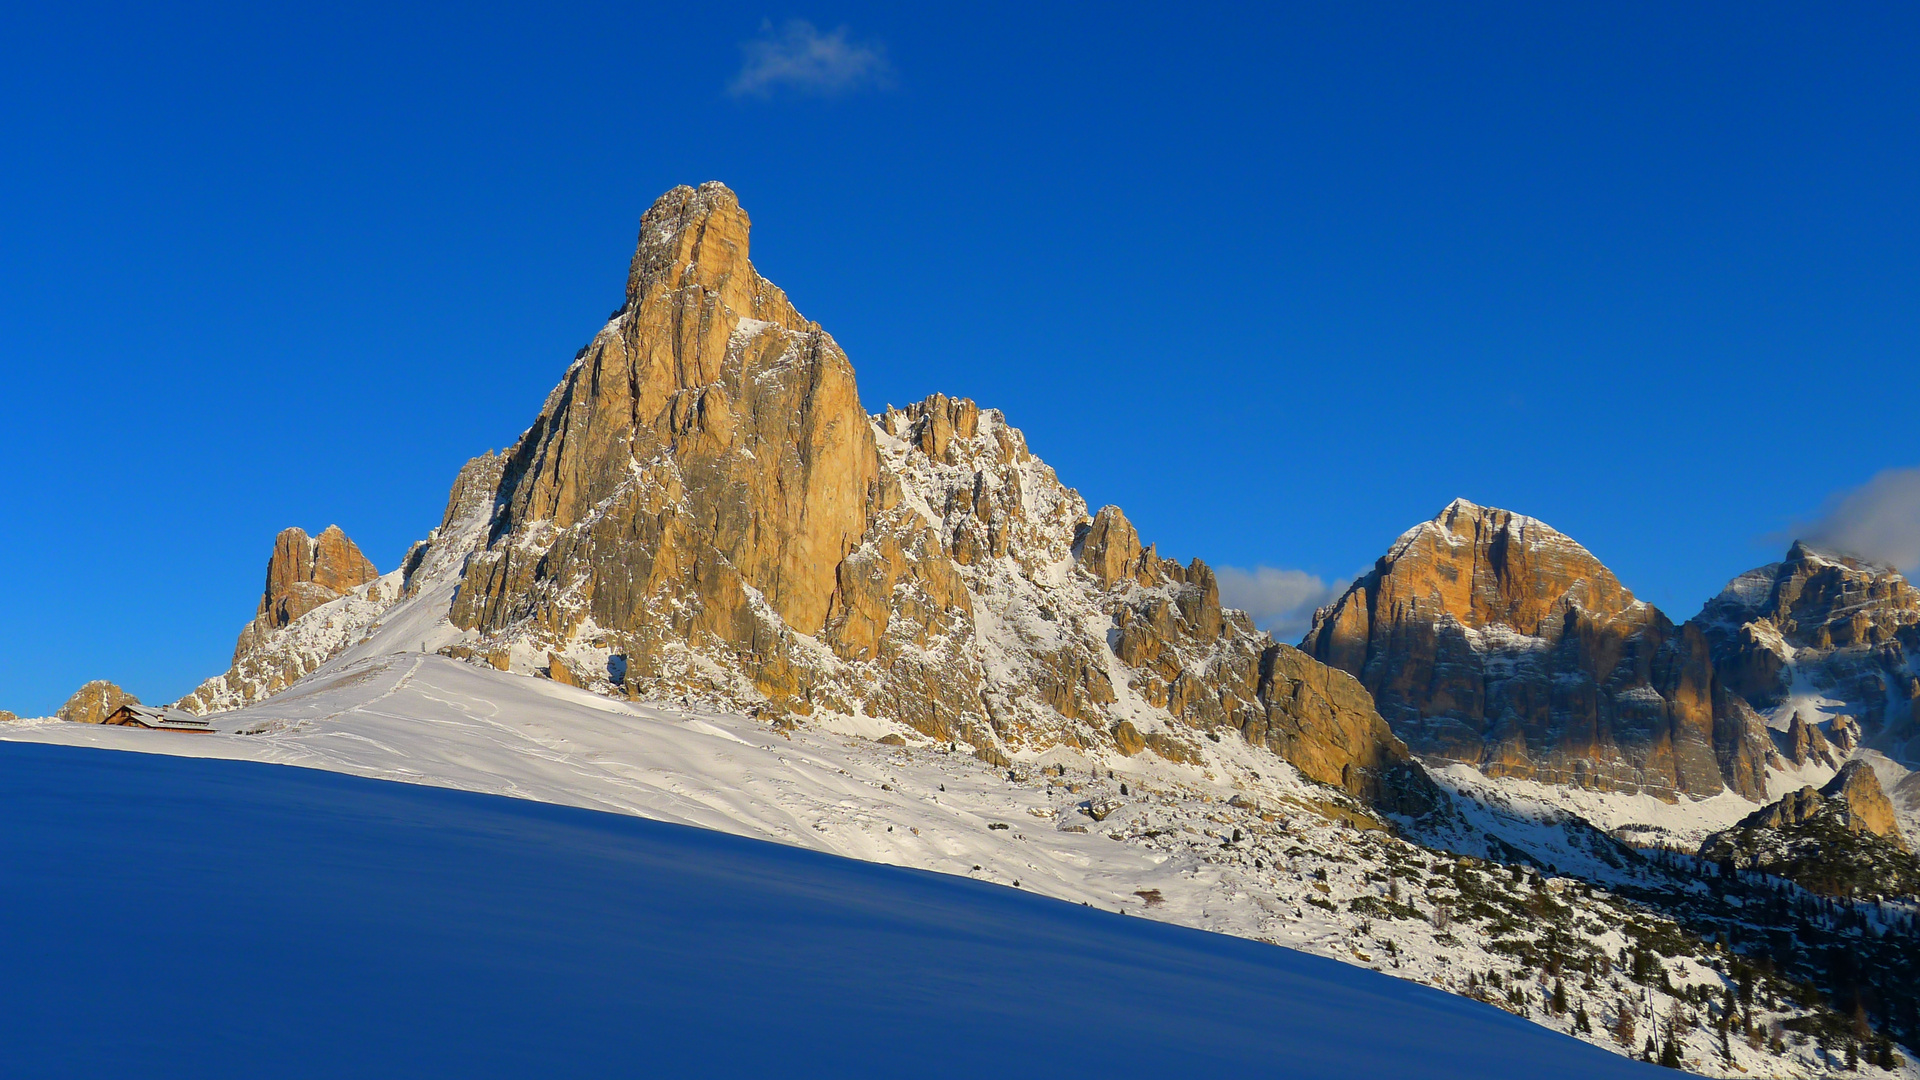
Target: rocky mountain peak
(322, 584)
(303, 569)
(1805, 743)
(693, 245)
(303, 573)
(708, 392)
(1844, 630)
(1519, 571)
(1492, 638)
(701, 507)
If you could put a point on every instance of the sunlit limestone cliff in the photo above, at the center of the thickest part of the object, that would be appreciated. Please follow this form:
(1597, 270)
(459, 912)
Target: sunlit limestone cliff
(702, 508)
(1490, 638)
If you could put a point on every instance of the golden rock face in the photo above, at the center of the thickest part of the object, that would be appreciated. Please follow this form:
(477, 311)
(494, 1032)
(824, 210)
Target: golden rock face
(704, 498)
(94, 702)
(709, 435)
(1490, 638)
(303, 573)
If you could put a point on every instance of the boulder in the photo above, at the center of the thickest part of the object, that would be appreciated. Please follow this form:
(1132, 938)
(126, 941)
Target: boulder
(94, 702)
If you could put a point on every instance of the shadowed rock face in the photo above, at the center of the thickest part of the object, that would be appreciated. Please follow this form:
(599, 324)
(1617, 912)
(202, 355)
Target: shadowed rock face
(1843, 630)
(704, 507)
(1491, 638)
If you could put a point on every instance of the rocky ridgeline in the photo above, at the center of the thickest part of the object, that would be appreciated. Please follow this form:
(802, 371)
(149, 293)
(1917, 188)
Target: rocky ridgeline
(702, 508)
(303, 573)
(1845, 629)
(1492, 639)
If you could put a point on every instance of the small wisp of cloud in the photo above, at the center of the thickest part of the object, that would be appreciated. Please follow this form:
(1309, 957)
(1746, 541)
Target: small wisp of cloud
(799, 58)
(1878, 521)
(1282, 602)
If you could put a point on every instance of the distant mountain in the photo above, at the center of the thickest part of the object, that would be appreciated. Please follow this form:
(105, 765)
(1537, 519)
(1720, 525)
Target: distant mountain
(1492, 639)
(1826, 642)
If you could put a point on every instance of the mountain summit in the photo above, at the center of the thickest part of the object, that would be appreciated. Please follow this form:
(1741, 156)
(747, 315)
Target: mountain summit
(1491, 638)
(701, 509)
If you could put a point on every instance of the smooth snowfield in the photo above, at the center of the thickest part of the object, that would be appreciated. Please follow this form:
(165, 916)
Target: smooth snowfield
(208, 918)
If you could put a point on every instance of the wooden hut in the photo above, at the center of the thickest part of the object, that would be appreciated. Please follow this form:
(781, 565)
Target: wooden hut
(145, 716)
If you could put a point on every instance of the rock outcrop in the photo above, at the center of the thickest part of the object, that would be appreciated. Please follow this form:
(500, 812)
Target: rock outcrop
(702, 508)
(1842, 839)
(1490, 638)
(320, 594)
(1854, 797)
(303, 573)
(94, 702)
(1822, 640)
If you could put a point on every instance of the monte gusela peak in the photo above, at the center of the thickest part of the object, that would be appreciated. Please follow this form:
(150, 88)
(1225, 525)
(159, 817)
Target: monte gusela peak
(701, 509)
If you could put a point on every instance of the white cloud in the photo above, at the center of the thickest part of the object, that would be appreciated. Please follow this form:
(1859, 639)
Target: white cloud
(799, 57)
(1878, 521)
(1282, 602)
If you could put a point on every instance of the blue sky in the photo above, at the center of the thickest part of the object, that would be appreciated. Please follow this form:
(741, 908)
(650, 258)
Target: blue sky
(1280, 282)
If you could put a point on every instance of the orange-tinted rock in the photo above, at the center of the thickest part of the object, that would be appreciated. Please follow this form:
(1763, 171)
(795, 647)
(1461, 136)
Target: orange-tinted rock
(703, 497)
(1491, 638)
(1853, 798)
(303, 573)
(94, 702)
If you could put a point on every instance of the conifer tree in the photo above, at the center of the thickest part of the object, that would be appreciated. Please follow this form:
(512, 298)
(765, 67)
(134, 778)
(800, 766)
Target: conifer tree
(1623, 1026)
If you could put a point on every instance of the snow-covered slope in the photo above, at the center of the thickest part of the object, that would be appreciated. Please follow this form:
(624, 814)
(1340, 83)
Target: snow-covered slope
(1239, 846)
(219, 919)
